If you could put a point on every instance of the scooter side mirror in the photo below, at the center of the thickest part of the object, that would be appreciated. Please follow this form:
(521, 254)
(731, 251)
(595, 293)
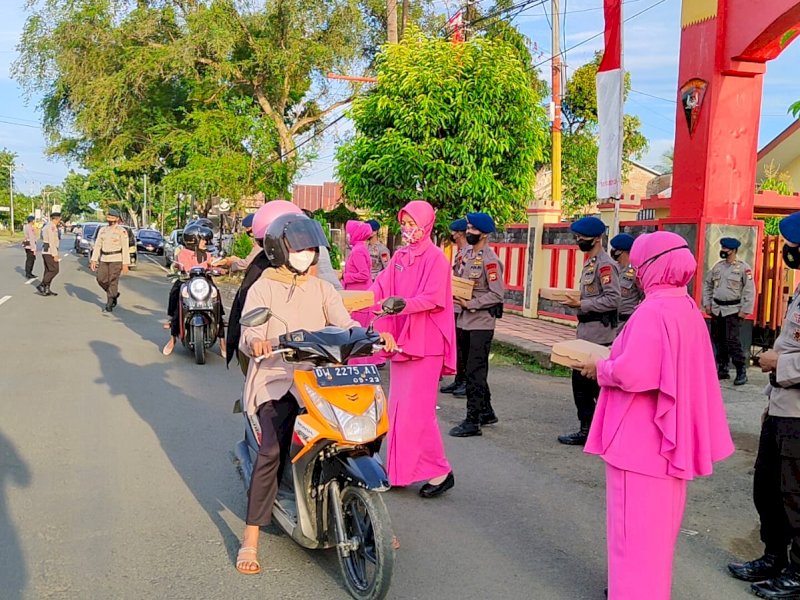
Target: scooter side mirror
(256, 317)
(393, 305)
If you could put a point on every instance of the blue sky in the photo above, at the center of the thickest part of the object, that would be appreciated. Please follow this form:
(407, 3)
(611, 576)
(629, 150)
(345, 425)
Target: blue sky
(651, 56)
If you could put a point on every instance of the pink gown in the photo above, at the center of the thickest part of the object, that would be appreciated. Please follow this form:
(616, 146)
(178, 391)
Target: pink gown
(660, 421)
(425, 331)
(357, 275)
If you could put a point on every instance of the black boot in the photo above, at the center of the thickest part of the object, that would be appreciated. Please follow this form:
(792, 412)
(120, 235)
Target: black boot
(760, 569)
(109, 307)
(29, 275)
(41, 290)
(469, 427)
(785, 586)
(575, 439)
(431, 491)
(114, 301)
(741, 375)
(50, 292)
(488, 418)
(722, 372)
(460, 391)
(449, 389)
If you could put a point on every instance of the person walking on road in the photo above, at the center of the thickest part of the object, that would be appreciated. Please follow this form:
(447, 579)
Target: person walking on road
(458, 236)
(29, 243)
(111, 257)
(419, 272)
(729, 295)
(660, 420)
(631, 295)
(776, 480)
(598, 315)
(379, 254)
(477, 322)
(50, 255)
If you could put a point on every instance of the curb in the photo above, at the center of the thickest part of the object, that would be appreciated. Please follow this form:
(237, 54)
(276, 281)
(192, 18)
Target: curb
(539, 352)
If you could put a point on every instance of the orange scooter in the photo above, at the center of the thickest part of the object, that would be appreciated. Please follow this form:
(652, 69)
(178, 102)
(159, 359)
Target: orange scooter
(330, 497)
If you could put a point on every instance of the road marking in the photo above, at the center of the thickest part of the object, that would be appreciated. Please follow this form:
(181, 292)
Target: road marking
(4, 299)
(155, 262)
(30, 281)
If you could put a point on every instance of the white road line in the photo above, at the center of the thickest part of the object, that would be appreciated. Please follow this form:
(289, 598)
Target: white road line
(30, 281)
(155, 262)
(5, 299)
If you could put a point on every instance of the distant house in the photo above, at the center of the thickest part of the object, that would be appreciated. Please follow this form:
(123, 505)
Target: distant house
(313, 197)
(784, 153)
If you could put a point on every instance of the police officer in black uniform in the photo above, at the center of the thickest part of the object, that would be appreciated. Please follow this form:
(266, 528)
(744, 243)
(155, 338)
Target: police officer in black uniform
(631, 295)
(458, 236)
(776, 480)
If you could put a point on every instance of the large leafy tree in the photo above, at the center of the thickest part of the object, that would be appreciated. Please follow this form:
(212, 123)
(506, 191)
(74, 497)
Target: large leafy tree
(213, 95)
(580, 137)
(457, 125)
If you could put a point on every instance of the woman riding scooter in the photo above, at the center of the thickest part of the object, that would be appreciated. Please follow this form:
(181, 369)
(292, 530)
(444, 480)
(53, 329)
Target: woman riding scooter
(302, 301)
(194, 254)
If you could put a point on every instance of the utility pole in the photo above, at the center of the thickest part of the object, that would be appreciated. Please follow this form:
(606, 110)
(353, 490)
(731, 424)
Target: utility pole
(556, 132)
(11, 192)
(404, 21)
(391, 21)
(470, 14)
(144, 204)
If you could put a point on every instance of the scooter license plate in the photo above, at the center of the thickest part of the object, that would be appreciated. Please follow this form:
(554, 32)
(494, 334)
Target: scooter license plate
(347, 375)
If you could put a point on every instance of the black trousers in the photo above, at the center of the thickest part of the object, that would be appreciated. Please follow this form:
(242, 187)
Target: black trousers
(174, 313)
(476, 347)
(277, 424)
(50, 269)
(585, 391)
(462, 342)
(725, 331)
(30, 261)
(776, 486)
(108, 274)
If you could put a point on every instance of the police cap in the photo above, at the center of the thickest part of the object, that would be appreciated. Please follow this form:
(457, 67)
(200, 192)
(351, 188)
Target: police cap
(247, 222)
(112, 212)
(588, 227)
(374, 224)
(482, 222)
(790, 228)
(730, 243)
(623, 242)
(458, 225)
(31, 218)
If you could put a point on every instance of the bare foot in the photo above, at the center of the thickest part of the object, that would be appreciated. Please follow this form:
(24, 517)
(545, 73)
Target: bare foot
(222, 352)
(167, 326)
(395, 542)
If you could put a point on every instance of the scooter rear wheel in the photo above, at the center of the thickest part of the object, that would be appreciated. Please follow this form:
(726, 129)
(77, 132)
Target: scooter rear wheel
(367, 570)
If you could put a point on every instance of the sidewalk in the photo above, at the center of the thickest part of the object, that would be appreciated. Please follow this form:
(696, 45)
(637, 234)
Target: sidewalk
(532, 336)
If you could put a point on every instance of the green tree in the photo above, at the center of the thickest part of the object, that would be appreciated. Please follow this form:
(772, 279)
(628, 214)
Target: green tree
(457, 125)
(580, 129)
(80, 196)
(776, 180)
(667, 160)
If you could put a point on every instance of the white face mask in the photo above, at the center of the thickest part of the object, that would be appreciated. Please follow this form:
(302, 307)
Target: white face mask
(301, 261)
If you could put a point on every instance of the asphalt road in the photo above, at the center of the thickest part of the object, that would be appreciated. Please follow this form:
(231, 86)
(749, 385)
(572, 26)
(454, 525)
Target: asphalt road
(116, 479)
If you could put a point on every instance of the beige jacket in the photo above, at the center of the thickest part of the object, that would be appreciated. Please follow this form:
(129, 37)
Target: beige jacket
(50, 239)
(112, 245)
(314, 304)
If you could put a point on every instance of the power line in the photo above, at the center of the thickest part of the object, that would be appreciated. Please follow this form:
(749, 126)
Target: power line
(21, 125)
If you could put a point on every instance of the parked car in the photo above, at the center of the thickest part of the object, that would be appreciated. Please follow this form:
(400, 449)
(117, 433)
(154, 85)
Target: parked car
(171, 244)
(84, 237)
(150, 240)
(131, 242)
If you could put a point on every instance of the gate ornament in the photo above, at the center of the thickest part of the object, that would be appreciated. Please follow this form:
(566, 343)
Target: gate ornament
(692, 94)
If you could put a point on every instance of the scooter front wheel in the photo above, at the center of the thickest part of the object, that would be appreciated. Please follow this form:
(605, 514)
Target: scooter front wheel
(198, 335)
(367, 569)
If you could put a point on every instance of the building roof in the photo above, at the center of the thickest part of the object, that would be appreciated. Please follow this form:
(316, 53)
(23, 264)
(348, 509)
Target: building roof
(785, 146)
(313, 197)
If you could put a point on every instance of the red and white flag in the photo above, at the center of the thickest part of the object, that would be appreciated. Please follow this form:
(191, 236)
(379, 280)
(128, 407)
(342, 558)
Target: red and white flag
(610, 78)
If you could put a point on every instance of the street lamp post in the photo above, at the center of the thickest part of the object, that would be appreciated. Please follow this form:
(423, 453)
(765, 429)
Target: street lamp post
(11, 192)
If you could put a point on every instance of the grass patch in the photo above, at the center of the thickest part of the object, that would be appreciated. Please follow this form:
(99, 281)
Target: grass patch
(5, 236)
(504, 356)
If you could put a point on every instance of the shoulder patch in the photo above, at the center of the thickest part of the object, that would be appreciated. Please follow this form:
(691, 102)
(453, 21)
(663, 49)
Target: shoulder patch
(605, 270)
(749, 273)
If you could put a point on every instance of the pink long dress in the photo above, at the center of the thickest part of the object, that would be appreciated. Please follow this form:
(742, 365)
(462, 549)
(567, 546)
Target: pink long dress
(660, 420)
(425, 331)
(357, 275)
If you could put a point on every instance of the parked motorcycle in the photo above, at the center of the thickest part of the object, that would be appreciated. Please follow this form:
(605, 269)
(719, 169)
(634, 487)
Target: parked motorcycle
(330, 497)
(200, 310)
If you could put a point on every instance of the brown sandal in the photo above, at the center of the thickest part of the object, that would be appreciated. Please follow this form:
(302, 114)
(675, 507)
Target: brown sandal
(241, 562)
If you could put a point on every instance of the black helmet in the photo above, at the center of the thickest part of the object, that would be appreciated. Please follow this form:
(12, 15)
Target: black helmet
(194, 233)
(292, 233)
(201, 222)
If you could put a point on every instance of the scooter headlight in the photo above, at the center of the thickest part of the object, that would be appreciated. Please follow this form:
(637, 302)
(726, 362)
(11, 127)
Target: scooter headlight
(358, 429)
(199, 288)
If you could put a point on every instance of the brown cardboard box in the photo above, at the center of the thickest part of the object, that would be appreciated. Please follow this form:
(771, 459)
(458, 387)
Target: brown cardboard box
(559, 295)
(462, 288)
(357, 299)
(574, 352)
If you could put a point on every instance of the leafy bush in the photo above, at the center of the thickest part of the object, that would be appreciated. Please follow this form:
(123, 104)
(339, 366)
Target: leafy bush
(242, 245)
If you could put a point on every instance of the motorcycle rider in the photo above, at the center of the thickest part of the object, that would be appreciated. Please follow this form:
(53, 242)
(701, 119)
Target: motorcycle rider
(291, 244)
(193, 254)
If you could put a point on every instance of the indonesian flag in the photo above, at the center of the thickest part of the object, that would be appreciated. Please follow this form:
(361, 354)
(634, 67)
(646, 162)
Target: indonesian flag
(455, 25)
(610, 78)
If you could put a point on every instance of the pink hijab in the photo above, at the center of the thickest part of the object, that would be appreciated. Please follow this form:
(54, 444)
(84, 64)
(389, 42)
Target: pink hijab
(664, 354)
(421, 274)
(357, 231)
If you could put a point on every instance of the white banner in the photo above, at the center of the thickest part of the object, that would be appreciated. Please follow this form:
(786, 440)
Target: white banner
(609, 113)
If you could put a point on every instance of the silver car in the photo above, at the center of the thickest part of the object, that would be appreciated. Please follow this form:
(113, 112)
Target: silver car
(85, 236)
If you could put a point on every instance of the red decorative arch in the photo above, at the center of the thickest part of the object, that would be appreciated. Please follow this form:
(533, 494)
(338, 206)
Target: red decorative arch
(759, 30)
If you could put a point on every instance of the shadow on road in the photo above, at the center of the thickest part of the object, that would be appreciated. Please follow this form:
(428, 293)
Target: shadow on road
(180, 421)
(82, 294)
(12, 562)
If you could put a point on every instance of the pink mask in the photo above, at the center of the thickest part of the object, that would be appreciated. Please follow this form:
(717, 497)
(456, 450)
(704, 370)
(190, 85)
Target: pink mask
(411, 234)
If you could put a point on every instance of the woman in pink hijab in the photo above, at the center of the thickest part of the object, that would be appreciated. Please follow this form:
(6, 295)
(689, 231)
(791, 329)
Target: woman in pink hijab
(660, 420)
(357, 275)
(420, 273)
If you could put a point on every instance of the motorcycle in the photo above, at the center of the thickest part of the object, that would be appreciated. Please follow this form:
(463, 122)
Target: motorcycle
(330, 497)
(199, 309)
